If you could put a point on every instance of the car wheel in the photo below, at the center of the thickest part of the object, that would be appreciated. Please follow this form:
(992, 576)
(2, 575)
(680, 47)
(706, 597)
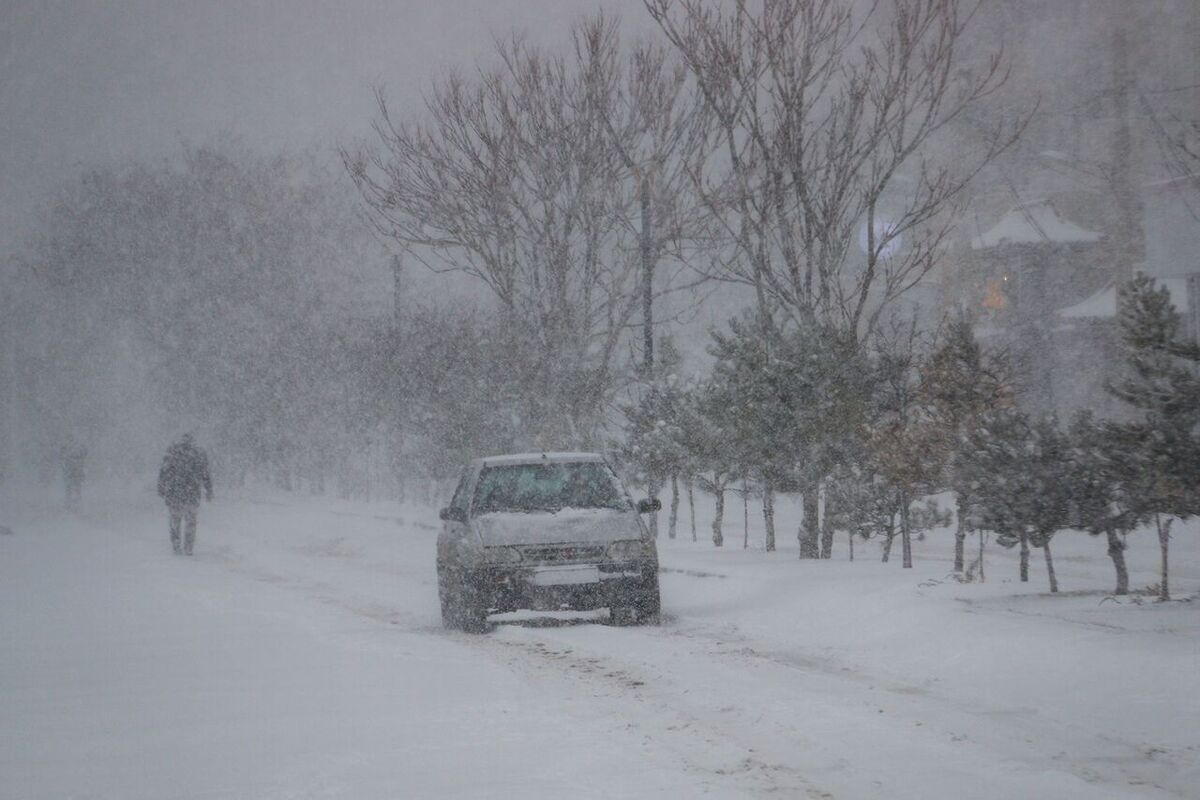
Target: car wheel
(466, 604)
(641, 608)
(446, 600)
(622, 615)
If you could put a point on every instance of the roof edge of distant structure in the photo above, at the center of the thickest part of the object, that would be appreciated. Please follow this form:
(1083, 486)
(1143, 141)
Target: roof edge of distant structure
(1035, 222)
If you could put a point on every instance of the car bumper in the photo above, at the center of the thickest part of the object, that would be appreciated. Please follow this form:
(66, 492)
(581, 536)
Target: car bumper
(577, 587)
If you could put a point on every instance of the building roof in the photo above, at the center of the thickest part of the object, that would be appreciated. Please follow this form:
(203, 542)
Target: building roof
(1103, 304)
(1033, 223)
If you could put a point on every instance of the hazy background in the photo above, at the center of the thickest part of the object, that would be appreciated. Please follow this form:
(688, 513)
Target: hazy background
(86, 84)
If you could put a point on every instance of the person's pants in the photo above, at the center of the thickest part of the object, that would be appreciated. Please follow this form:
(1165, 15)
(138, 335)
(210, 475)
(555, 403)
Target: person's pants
(183, 516)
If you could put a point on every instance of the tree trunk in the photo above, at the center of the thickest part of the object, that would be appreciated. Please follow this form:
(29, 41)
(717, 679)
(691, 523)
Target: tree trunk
(827, 533)
(826, 529)
(905, 535)
(691, 494)
(889, 535)
(718, 539)
(769, 516)
(1024, 557)
(982, 541)
(1050, 566)
(1116, 551)
(850, 543)
(674, 518)
(745, 514)
(810, 532)
(960, 540)
(652, 492)
(1164, 542)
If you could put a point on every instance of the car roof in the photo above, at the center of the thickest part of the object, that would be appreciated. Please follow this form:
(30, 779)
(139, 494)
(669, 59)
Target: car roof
(541, 458)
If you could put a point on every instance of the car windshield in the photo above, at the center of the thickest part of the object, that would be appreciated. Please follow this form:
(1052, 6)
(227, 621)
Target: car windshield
(547, 487)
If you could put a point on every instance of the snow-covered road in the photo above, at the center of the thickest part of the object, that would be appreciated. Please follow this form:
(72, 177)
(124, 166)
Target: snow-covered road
(298, 654)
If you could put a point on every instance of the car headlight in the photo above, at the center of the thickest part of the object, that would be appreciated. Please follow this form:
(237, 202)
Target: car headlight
(627, 550)
(502, 555)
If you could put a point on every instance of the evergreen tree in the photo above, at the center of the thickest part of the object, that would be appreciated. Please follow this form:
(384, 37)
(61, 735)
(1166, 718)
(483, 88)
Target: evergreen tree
(1017, 470)
(787, 400)
(960, 383)
(655, 440)
(1102, 480)
(902, 440)
(1163, 386)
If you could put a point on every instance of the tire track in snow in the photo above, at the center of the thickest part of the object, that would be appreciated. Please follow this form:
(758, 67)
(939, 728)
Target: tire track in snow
(699, 735)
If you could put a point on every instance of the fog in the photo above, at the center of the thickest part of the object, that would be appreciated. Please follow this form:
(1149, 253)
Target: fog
(841, 357)
(149, 148)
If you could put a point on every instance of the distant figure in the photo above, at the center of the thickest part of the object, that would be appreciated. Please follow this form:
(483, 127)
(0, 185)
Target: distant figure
(74, 457)
(184, 472)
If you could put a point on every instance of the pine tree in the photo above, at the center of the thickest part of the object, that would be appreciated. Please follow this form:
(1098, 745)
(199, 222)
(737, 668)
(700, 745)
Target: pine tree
(902, 439)
(1163, 386)
(708, 441)
(655, 440)
(1017, 469)
(787, 401)
(1102, 480)
(959, 383)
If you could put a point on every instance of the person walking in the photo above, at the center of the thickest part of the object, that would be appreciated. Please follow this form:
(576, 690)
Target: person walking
(74, 457)
(183, 474)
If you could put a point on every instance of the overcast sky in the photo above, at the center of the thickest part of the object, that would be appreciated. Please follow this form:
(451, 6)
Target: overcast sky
(98, 81)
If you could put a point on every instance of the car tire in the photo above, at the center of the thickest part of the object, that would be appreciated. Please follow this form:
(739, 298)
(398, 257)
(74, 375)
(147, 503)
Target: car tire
(446, 600)
(641, 608)
(463, 605)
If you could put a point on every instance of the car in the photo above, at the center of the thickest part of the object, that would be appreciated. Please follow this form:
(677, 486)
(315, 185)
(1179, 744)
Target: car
(545, 532)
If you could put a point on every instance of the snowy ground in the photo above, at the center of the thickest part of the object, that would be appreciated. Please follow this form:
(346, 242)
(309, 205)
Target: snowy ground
(298, 654)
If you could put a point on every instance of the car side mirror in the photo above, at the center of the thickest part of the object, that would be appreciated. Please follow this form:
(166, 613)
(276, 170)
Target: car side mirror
(646, 506)
(451, 514)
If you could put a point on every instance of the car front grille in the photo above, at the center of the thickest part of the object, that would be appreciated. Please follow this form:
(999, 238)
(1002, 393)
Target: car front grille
(562, 553)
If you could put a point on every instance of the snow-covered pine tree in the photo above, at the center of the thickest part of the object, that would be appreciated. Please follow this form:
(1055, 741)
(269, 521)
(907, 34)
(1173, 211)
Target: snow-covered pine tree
(902, 440)
(1017, 472)
(654, 443)
(758, 408)
(1102, 480)
(1163, 385)
(995, 468)
(788, 400)
(959, 383)
(707, 439)
(1043, 508)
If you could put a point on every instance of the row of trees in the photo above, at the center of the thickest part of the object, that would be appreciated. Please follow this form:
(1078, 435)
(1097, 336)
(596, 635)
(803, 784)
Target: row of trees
(749, 147)
(885, 425)
(587, 190)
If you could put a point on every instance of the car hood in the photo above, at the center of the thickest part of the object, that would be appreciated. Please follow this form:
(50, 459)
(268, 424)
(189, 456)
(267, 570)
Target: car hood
(568, 525)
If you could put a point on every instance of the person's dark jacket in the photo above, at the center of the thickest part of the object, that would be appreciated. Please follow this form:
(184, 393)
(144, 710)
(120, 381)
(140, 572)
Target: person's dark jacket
(184, 472)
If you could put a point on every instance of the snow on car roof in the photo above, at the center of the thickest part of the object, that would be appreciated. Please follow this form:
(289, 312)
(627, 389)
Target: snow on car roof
(540, 458)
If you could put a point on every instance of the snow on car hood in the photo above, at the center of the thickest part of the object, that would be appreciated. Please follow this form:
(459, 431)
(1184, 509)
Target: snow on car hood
(567, 525)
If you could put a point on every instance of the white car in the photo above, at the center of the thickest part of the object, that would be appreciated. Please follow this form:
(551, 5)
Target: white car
(545, 531)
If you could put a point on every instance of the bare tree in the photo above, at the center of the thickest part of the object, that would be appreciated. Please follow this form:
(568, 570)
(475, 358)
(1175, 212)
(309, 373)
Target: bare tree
(528, 177)
(825, 118)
